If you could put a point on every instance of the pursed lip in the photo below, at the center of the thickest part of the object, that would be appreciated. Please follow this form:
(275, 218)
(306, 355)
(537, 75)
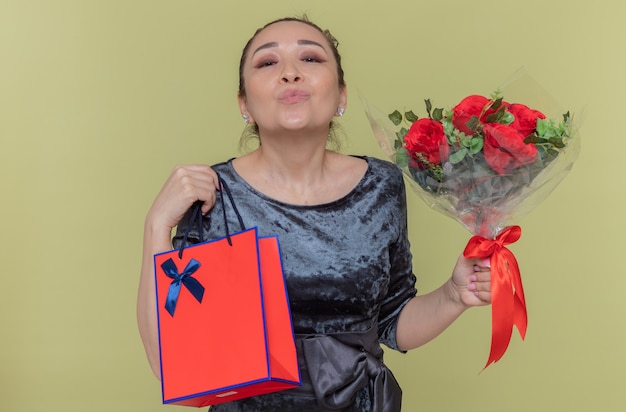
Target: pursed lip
(291, 96)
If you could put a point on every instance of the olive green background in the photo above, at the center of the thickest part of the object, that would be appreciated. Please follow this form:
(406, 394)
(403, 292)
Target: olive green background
(100, 99)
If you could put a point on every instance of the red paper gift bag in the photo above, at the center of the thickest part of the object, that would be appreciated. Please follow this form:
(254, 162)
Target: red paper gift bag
(225, 330)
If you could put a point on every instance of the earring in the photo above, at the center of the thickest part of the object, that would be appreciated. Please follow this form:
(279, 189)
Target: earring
(246, 118)
(340, 111)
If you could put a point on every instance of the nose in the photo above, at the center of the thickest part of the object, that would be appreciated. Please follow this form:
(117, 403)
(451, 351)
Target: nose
(291, 78)
(291, 74)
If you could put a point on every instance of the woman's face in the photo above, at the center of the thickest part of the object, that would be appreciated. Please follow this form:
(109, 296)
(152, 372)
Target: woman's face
(291, 80)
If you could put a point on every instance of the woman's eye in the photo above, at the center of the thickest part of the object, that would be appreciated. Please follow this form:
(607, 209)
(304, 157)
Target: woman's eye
(265, 63)
(311, 59)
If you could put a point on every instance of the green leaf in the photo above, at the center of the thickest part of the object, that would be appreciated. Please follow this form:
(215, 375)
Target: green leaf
(466, 140)
(448, 127)
(457, 156)
(438, 114)
(557, 142)
(498, 115)
(396, 117)
(532, 138)
(452, 136)
(541, 126)
(402, 158)
(429, 106)
(550, 155)
(473, 123)
(438, 173)
(476, 145)
(410, 116)
(497, 94)
(497, 103)
(567, 117)
(507, 118)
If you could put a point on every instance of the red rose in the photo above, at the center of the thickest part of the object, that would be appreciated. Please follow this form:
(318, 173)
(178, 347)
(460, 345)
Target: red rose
(505, 149)
(466, 109)
(426, 142)
(525, 118)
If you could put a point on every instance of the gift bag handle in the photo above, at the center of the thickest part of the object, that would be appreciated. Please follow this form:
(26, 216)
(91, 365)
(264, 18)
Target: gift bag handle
(196, 215)
(224, 189)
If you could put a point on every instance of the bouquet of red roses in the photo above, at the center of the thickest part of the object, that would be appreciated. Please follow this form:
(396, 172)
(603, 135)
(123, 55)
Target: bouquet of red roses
(485, 162)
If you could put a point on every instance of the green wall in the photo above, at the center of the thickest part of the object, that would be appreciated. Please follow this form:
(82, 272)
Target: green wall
(100, 99)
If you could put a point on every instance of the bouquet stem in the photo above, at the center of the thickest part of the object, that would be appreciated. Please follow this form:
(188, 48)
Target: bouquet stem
(508, 305)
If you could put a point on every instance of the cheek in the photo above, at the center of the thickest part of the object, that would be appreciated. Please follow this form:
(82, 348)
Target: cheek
(254, 87)
(328, 90)
(257, 95)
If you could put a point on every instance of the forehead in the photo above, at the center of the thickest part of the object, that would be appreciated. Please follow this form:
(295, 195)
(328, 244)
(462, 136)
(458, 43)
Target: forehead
(284, 32)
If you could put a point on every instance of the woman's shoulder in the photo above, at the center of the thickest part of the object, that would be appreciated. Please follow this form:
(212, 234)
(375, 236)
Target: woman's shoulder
(366, 170)
(384, 170)
(385, 166)
(222, 165)
(224, 169)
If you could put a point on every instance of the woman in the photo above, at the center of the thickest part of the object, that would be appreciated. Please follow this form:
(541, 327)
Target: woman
(341, 223)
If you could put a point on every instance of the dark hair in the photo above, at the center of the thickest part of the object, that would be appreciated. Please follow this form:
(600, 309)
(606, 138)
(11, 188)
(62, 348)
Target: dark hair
(252, 131)
(332, 42)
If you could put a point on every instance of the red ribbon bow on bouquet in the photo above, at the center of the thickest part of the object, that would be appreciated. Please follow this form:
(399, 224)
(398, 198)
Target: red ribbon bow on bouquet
(507, 294)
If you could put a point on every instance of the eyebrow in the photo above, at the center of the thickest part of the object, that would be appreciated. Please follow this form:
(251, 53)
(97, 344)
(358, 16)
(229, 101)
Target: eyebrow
(300, 42)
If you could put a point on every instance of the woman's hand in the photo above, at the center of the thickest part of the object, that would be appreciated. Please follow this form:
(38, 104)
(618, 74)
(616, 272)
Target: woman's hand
(185, 185)
(471, 281)
(426, 316)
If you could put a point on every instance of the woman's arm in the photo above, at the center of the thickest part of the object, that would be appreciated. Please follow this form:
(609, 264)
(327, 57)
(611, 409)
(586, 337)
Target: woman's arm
(155, 240)
(185, 186)
(426, 316)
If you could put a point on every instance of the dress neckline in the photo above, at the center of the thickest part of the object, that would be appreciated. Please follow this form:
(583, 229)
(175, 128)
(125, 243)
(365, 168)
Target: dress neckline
(324, 205)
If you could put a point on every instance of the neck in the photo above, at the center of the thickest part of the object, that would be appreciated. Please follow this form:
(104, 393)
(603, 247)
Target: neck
(293, 158)
(292, 165)
(294, 170)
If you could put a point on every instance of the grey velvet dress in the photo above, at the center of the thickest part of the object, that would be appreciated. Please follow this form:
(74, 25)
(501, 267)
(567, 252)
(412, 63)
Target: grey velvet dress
(347, 267)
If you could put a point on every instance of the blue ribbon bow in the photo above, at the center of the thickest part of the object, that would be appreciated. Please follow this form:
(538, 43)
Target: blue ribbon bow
(184, 278)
